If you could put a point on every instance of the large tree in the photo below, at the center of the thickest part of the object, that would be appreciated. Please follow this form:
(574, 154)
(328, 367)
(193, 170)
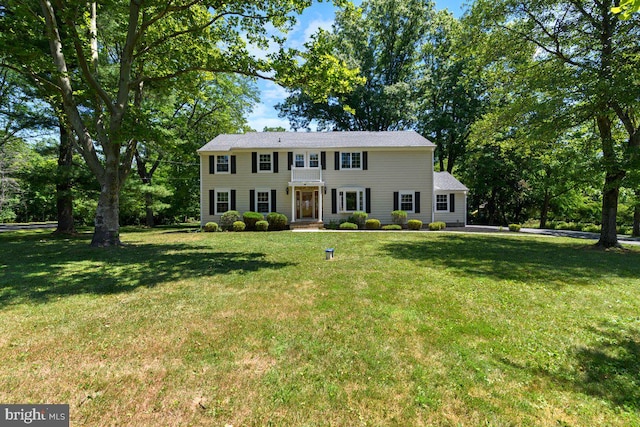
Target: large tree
(452, 93)
(595, 54)
(100, 56)
(382, 38)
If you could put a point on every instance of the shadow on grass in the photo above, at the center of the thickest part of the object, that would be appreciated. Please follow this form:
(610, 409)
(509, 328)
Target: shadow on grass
(609, 369)
(519, 259)
(41, 267)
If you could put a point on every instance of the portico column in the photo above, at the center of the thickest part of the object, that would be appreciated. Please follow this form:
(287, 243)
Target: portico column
(293, 204)
(320, 189)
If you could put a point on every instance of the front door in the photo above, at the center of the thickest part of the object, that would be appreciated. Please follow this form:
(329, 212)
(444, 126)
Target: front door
(306, 204)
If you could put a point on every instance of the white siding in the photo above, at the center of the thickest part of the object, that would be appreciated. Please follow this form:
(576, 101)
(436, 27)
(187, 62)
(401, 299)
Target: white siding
(457, 218)
(389, 171)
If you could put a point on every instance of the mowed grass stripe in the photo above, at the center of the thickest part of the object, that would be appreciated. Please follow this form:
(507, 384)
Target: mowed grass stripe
(257, 328)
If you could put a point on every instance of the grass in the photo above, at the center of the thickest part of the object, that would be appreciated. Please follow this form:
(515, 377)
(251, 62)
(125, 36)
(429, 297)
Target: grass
(258, 329)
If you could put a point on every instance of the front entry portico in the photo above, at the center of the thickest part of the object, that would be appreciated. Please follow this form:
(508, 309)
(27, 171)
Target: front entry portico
(306, 204)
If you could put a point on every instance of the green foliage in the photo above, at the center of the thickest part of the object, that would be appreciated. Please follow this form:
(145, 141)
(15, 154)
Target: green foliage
(399, 217)
(414, 224)
(626, 8)
(437, 225)
(250, 219)
(348, 226)
(372, 224)
(228, 218)
(514, 227)
(277, 221)
(591, 228)
(358, 218)
(262, 225)
(211, 227)
(239, 226)
(332, 225)
(392, 227)
(388, 69)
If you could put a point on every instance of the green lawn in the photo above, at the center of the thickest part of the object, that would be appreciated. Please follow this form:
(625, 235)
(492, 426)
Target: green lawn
(246, 329)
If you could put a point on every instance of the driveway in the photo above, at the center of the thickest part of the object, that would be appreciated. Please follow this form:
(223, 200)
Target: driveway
(29, 226)
(544, 232)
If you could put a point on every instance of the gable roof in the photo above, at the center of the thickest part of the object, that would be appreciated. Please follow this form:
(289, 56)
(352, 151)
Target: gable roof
(294, 140)
(447, 182)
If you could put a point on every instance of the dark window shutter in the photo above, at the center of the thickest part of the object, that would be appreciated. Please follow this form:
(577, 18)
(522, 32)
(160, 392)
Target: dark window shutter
(289, 160)
(365, 160)
(452, 202)
(252, 200)
(337, 161)
(367, 196)
(274, 159)
(212, 164)
(254, 162)
(334, 200)
(323, 159)
(212, 202)
(396, 196)
(233, 164)
(274, 207)
(416, 202)
(233, 200)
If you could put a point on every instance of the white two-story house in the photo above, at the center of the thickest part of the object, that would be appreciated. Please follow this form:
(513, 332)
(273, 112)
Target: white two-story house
(326, 176)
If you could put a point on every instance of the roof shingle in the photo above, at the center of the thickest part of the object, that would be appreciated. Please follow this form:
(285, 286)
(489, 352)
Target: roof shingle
(294, 140)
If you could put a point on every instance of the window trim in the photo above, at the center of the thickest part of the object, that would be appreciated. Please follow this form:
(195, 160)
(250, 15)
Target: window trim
(228, 171)
(256, 203)
(306, 156)
(413, 200)
(258, 162)
(351, 168)
(361, 199)
(446, 203)
(219, 191)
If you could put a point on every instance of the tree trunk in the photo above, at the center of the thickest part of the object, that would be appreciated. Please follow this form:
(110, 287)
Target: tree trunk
(148, 201)
(612, 182)
(107, 224)
(544, 210)
(64, 185)
(609, 231)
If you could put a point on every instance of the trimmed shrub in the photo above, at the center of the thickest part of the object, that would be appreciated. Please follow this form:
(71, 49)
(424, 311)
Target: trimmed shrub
(228, 218)
(372, 224)
(399, 217)
(333, 225)
(359, 218)
(211, 227)
(250, 219)
(591, 228)
(414, 224)
(262, 226)
(514, 227)
(277, 221)
(392, 227)
(348, 226)
(437, 225)
(239, 226)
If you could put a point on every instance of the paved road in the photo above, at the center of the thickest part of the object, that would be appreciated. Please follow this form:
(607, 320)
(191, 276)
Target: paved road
(30, 226)
(624, 239)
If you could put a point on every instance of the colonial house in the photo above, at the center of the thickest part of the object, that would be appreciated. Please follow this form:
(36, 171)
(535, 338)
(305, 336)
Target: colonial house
(326, 176)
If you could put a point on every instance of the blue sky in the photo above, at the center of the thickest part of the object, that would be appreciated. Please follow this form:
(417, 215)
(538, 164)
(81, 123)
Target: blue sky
(320, 15)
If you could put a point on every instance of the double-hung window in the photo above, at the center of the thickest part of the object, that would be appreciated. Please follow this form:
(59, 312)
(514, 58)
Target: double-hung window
(314, 160)
(351, 199)
(223, 198)
(264, 162)
(222, 164)
(351, 160)
(299, 160)
(263, 201)
(442, 202)
(407, 201)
